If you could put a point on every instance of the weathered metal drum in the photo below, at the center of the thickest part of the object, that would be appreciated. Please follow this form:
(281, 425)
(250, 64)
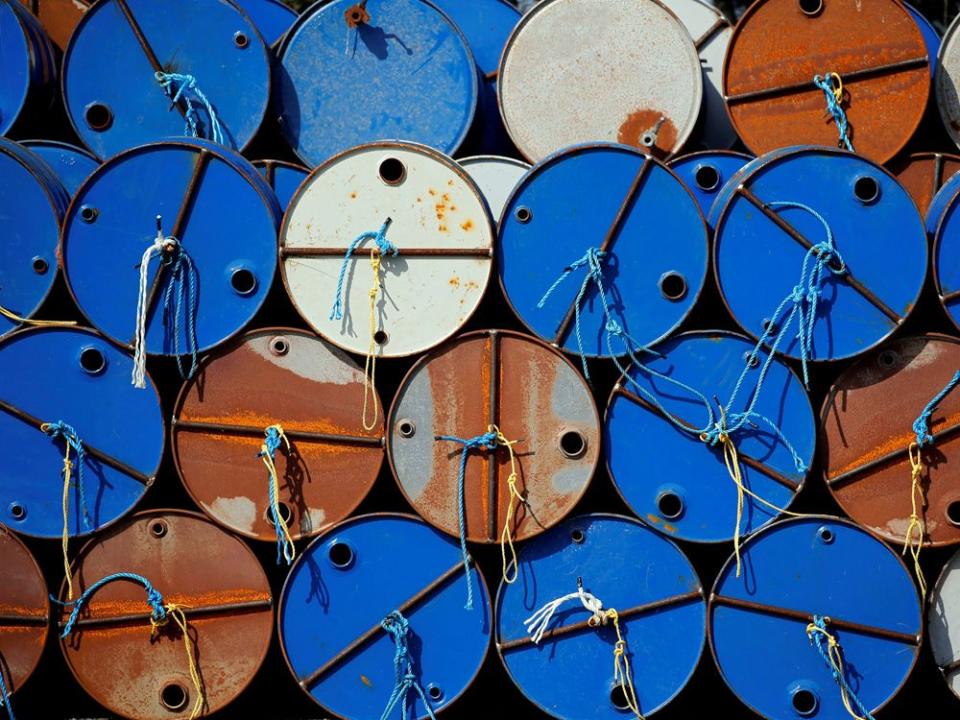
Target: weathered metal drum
(24, 613)
(73, 375)
(674, 481)
(641, 575)
(272, 18)
(71, 164)
(614, 199)
(58, 17)
(496, 177)
(948, 70)
(283, 177)
(213, 201)
(635, 78)
(795, 199)
(439, 222)
(931, 38)
(527, 389)
(779, 46)
(793, 570)
(115, 101)
(943, 225)
(266, 377)
(29, 67)
(216, 580)
(923, 174)
(32, 203)
(348, 581)
(355, 73)
(866, 424)
(942, 627)
(704, 173)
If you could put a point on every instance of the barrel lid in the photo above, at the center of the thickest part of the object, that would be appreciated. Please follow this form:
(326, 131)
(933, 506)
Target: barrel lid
(439, 223)
(931, 38)
(613, 198)
(283, 177)
(24, 612)
(15, 58)
(527, 389)
(636, 71)
(72, 164)
(271, 17)
(347, 581)
(706, 172)
(73, 375)
(228, 606)
(225, 219)
(486, 24)
(496, 177)
(948, 66)
(638, 573)
(760, 247)
(212, 41)
(793, 570)
(923, 174)
(400, 69)
(944, 632)
(674, 481)
(269, 376)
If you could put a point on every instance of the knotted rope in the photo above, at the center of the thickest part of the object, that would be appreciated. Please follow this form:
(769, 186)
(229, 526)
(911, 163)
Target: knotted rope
(5, 695)
(832, 86)
(13, 317)
(832, 655)
(177, 86)
(398, 627)
(274, 437)
(516, 498)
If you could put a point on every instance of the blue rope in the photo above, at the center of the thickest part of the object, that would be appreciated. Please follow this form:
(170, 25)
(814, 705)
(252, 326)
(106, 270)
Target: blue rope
(5, 696)
(176, 85)
(182, 287)
(60, 429)
(272, 443)
(921, 426)
(487, 441)
(383, 245)
(835, 108)
(154, 599)
(398, 627)
(818, 640)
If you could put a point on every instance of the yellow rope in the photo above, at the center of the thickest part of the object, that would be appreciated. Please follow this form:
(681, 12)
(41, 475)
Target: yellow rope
(370, 367)
(65, 540)
(913, 539)
(13, 317)
(506, 535)
(836, 660)
(175, 611)
(621, 662)
(289, 550)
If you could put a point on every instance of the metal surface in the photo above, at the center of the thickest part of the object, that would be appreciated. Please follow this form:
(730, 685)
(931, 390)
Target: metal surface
(793, 570)
(923, 174)
(438, 221)
(405, 73)
(674, 481)
(759, 247)
(350, 579)
(72, 164)
(946, 81)
(112, 97)
(635, 75)
(866, 424)
(24, 612)
(272, 18)
(28, 63)
(942, 628)
(643, 576)
(227, 605)
(283, 177)
(58, 17)
(76, 376)
(496, 177)
(210, 199)
(705, 173)
(617, 200)
(269, 376)
(931, 38)
(779, 45)
(533, 394)
(943, 225)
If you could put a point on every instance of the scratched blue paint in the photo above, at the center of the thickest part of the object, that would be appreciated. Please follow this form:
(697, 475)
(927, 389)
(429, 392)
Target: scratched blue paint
(943, 225)
(854, 577)
(231, 227)
(325, 607)
(271, 17)
(705, 173)
(105, 64)
(32, 203)
(71, 164)
(624, 564)
(286, 178)
(405, 74)
(573, 197)
(668, 462)
(27, 59)
(882, 241)
(107, 412)
(931, 38)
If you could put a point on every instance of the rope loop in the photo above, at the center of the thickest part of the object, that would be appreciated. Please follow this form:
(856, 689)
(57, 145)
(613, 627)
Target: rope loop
(274, 437)
(829, 648)
(405, 678)
(832, 86)
(179, 86)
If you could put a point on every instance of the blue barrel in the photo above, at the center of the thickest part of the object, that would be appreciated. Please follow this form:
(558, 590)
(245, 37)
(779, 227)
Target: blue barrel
(214, 203)
(795, 204)
(931, 38)
(390, 69)
(347, 582)
(71, 164)
(673, 480)
(705, 173)
(75, 376)
(115, 98)
(271, 17)
(943, 225)
(614, 199)
(32, 203)
(793, 571)
(283, 177)
(645, 578)
(29, 67)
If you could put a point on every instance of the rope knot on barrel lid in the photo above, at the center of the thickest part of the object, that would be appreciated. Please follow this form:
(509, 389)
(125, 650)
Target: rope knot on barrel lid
(832, 86)
(398, 627)
(829, 648)
(179, 86)
(274, 437)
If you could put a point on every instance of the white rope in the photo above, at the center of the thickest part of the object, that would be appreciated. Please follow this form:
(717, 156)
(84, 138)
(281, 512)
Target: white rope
(537, 623)
(139, 339)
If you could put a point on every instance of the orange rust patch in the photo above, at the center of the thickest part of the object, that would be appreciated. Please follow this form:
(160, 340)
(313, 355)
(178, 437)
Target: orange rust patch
(639, 122)
(455, 281)
(353, 195)
(431, 191)
(443, 228)
(366, 681)
(467, 225)
(260, 420)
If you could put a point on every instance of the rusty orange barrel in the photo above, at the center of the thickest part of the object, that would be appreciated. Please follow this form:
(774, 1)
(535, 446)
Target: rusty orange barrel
(58, 17)
(923, 174)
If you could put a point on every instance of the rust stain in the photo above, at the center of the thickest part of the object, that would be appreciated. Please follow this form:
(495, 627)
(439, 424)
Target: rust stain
(450, 182)
(431, 191)
(455, 281)
(639, 122)
(442, 228)
(366, 681)
(467, 225)
(353, 195)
